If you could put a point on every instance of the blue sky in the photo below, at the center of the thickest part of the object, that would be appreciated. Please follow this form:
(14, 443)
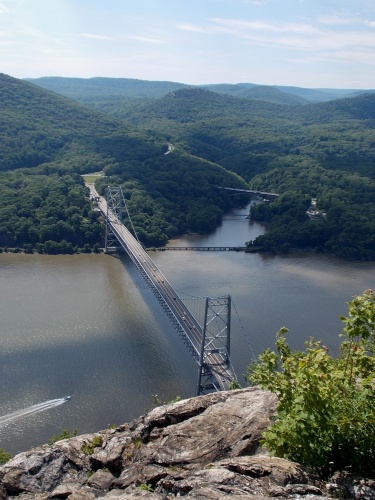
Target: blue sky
(307, 43)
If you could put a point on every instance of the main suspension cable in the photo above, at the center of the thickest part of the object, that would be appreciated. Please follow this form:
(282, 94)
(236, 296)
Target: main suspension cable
(247, 337)
(130, 219)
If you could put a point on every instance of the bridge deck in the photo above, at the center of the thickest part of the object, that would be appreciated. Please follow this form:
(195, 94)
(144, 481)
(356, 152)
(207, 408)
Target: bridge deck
(200, 249)
(252, 191)
(181, 317)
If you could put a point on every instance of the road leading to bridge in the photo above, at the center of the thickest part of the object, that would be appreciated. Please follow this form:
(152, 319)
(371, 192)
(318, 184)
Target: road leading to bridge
(185, 323)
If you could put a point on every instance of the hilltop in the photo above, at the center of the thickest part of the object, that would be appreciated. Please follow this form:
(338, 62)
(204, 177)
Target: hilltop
(92, 90)
(48, 141)
(38, 126)
(308, 153)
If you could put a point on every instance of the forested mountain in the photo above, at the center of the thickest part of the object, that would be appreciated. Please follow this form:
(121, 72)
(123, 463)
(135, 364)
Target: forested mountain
(324, 151)
(99, 88)
(47, 141)
(93, 91)
(320, 95)
(37, 127)
(271, 94)
(247, 136)
(261, 92)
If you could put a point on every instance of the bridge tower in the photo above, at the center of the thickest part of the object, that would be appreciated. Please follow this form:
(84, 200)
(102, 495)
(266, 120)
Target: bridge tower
(115, 203)
(215, 346)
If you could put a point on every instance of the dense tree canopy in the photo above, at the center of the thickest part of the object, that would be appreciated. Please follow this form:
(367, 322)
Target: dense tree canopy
(47, 141)
(302, 151)
(49, 212)
(173, 194)
(324, 151)
(39, 127)
(346, 226)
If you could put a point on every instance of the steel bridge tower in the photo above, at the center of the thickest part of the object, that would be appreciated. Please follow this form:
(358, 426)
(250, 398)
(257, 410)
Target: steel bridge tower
(215, 347)
(115, 203)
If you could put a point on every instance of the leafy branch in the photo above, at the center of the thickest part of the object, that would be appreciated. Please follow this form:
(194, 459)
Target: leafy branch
(326, 412)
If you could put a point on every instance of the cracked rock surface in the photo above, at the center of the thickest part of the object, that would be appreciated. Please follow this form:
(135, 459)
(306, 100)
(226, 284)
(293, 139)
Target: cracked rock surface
(202, 448)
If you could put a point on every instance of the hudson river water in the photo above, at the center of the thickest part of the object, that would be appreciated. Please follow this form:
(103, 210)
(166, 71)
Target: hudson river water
(87, 326)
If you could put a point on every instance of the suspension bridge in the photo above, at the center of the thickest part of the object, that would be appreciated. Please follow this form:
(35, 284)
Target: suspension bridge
(208, 340)
(262, 194)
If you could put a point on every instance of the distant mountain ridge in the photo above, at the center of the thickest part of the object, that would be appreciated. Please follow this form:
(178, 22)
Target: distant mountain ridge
(131, 88)
(83, 89)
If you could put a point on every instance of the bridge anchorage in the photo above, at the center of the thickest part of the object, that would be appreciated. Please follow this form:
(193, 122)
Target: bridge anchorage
(208, 341)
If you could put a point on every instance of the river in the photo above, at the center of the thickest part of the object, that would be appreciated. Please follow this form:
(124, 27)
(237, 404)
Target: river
(87, 326)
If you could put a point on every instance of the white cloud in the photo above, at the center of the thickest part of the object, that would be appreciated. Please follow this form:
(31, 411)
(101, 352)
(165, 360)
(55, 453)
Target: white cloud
(191, 27)
(300, 36)
(144, 39)
(137, 38)
(337, 20)
(3, 9)
(253, 1)
(341, 57)
(348, 57)
(94, 36)
(242, 38)
(238, 26)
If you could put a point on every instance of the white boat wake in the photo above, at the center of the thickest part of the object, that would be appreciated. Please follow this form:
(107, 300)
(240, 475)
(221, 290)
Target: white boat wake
(30, 410)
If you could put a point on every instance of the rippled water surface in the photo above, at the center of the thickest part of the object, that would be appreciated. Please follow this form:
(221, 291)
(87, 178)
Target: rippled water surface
(87, 326)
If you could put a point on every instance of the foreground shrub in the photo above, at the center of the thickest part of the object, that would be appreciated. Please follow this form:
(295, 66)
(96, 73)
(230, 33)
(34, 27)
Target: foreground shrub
(64, 435)
(4, 457)
(326, 412)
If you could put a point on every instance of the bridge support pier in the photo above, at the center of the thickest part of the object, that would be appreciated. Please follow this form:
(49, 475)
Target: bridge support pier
(214, 362)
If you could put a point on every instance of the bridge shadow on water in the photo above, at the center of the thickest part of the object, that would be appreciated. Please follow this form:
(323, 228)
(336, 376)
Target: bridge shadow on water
(111, 376)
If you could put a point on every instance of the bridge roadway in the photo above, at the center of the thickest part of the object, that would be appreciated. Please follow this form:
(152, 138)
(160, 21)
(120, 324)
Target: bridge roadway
(201, 249)
(185, 323)
(251, 191)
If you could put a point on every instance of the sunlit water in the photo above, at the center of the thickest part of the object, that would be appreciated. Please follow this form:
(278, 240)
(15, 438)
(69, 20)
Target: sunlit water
(88, 326)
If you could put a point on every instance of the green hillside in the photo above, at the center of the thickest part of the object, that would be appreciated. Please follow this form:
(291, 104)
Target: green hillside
(323, 151)
(246, 136)
(260, 92)
(47, 141)
(37, 126)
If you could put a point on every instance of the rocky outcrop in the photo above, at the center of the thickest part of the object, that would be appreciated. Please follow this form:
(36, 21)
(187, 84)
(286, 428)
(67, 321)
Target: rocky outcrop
(202, 448)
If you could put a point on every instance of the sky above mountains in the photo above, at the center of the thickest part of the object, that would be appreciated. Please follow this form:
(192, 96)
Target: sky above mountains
(307, 43)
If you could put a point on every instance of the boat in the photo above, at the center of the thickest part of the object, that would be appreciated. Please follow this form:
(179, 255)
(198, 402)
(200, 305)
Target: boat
(67, 398)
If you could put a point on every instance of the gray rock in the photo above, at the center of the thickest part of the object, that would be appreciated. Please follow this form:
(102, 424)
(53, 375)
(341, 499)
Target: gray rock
(206, 435)
(204, 448)
(110, 455)
(101, 480)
